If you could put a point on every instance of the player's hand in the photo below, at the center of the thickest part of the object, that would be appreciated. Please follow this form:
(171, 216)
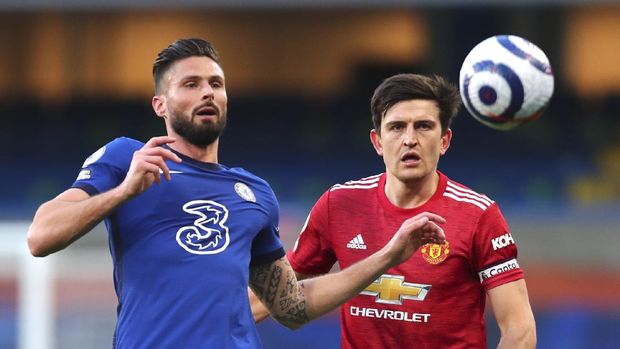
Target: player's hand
(412, 234)
(146, 165)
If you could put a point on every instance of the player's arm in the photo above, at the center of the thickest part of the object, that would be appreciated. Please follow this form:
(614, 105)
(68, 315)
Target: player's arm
(294, 303)
(259, 310)
(64, 219)
(513, 314)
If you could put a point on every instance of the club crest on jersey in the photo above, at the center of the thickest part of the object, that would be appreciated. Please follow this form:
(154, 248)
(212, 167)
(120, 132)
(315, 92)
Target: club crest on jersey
(435, 253)
(209, 234)
(245, 192)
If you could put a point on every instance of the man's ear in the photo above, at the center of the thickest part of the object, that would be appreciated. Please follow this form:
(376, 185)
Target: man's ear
(375, 139)
(445, 141)
(159, 105)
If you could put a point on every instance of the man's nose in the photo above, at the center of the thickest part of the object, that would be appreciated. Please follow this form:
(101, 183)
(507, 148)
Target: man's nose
(410, 137)
(207, 92)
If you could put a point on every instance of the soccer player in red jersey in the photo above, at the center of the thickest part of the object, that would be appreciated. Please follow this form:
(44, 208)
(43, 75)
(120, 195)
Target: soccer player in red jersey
(436, 299)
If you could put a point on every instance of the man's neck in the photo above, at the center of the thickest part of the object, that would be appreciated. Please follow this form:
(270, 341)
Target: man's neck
(413, 193)
(204, 154)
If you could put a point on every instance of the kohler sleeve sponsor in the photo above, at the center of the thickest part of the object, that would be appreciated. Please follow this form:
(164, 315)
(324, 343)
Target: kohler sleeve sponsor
(498, 269)
(502, 241)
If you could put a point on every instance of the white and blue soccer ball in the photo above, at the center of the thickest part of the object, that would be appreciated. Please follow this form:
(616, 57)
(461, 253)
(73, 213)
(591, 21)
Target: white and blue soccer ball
(506, 81)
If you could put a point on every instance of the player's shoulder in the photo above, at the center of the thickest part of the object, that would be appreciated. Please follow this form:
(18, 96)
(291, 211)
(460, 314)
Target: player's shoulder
(356, 187)
(126, 143)
(465, 196)
(123, 145)
(242, 173)
(249, 178)
(117, 149)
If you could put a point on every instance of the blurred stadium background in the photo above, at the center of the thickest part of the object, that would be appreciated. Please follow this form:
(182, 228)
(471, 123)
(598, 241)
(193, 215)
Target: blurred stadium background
(75, 74)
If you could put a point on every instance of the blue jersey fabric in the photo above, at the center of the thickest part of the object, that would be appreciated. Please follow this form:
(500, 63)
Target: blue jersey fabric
(182, 250)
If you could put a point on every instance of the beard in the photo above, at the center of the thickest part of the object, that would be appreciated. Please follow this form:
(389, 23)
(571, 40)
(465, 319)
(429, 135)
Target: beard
(201, 134)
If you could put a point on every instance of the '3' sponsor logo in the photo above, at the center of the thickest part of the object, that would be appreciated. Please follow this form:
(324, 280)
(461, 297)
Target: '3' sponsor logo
(209, 234)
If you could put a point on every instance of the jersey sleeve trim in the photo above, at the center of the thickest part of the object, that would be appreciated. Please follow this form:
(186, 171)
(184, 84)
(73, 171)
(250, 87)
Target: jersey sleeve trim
(89, 189)
(305, 269)
(268, 258)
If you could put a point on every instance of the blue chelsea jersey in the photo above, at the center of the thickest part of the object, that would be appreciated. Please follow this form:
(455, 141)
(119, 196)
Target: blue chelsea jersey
(182, 250)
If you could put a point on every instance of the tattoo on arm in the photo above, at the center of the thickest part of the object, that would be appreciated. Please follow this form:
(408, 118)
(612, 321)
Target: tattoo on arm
(258, 275)
(272, 285)
(294, 307)
(280, 291)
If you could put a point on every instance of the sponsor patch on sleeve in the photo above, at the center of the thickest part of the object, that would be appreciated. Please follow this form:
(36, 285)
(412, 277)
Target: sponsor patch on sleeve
(498, 269)
(84, 174)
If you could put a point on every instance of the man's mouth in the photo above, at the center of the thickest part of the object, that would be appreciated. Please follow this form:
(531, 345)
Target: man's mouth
(206, 111)
(410, 158)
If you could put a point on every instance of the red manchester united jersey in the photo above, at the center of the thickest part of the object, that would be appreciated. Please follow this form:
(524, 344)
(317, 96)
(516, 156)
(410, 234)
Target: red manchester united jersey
(435, 299)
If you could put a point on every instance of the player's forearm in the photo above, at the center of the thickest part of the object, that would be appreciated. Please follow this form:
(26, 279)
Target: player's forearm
(59, 222)
(276, 285)
(514, 316)
(259, 310)
(327, 292)
(522, 336)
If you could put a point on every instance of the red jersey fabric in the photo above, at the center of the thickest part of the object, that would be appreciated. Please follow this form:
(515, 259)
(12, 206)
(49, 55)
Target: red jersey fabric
(435, 299)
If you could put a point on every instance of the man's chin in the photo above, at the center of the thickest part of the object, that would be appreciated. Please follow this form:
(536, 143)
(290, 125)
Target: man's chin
(205, 119)
(411, 175)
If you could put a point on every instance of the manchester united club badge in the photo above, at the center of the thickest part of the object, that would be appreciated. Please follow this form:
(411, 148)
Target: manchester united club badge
(435, 253)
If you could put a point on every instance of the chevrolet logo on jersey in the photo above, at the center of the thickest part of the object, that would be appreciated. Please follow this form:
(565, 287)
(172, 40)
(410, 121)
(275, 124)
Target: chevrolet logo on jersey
(392, 289)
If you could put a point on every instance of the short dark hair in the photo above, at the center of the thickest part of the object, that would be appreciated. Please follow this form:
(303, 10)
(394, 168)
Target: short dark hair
(178, 50)
(404, 87)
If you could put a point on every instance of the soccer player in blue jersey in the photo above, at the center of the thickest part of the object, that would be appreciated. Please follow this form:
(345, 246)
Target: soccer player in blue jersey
(187, 234)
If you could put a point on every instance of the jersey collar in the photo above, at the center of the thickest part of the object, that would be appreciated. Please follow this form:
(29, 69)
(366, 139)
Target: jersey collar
(388, 205)
(191, 161)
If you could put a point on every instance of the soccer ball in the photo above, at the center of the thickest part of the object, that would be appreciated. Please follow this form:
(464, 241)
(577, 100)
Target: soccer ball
(506, 81)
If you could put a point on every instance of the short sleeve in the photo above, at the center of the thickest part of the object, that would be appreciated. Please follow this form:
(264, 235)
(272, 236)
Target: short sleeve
(267, 246)
(312, 254)
(495, 250)
(107, 167)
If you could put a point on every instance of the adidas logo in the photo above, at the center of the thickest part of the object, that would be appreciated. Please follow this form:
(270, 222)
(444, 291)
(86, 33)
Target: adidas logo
(357, 243)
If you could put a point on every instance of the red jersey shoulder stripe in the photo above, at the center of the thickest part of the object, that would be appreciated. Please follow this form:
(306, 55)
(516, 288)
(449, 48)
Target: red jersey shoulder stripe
(377, 176)
(463, 194)
(463, 190)
(364, 183)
